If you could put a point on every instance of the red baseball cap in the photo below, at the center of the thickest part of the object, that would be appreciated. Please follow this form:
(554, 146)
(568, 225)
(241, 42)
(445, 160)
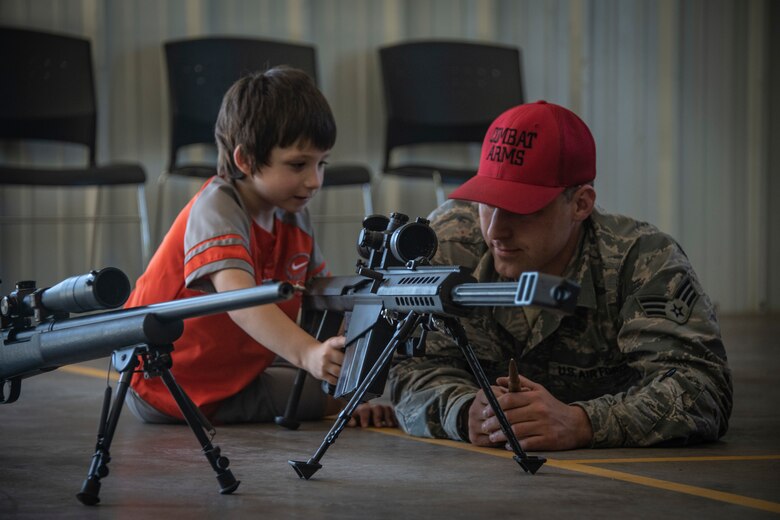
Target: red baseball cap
(531, 153)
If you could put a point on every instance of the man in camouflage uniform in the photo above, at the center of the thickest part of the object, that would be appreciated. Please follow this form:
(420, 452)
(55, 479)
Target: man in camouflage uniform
(640, 361)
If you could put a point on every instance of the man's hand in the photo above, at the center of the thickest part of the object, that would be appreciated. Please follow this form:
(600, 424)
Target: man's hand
(539, 420)
(378, 415)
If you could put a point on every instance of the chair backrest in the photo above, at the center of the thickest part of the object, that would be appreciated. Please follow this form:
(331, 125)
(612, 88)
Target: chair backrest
(46, 88)
(446, 91)
(201, 70)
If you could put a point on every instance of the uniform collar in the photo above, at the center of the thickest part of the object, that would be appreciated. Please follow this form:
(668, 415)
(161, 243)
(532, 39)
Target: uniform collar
(578, 269)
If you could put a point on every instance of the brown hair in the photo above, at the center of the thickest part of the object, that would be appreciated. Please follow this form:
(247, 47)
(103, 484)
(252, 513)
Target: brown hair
(569, 192)
(277, 107)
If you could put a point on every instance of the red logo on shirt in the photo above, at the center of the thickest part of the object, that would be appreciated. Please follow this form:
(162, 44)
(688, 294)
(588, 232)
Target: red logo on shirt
(296, 267)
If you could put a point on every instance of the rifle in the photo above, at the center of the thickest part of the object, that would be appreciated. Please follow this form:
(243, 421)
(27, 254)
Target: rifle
(395, 294)
(39, 336)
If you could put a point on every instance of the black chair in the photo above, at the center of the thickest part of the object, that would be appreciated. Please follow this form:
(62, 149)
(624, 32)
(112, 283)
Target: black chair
(200, 71)
(444, 92)
(47, 93)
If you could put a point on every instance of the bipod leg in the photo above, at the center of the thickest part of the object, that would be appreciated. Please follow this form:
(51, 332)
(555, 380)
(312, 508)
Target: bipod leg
(199, 425)
(403, 331)
(125, 361)
(288, 420)
(528, 463)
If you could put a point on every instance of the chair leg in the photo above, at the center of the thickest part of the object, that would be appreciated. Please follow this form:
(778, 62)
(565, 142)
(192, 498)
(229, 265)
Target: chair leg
(437, 185)
(161, 180)
(368, 204)
(143, 217)
(96, 219)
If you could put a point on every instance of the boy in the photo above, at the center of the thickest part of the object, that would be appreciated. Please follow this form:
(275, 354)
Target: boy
(274, 133)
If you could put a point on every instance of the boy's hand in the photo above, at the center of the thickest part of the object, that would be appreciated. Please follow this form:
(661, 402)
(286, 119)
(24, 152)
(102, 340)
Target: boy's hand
(324, 360)
(379, 415)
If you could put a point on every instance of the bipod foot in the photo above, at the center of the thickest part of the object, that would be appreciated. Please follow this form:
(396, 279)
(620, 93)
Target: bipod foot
(89, 492)
(530, 464)
(305, 469)
(284, 422)
(227, 482)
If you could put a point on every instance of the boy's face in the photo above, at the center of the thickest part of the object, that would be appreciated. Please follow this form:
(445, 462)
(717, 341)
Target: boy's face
(290, 180)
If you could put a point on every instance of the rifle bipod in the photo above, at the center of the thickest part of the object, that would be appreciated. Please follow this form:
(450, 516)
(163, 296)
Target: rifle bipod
(454, 328)
(403, 332)
(157, 362)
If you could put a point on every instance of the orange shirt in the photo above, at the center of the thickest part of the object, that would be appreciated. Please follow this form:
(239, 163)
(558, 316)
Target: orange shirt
(214, 358)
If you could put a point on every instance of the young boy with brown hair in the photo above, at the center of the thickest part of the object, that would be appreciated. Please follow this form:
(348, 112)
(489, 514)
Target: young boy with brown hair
(274, 133)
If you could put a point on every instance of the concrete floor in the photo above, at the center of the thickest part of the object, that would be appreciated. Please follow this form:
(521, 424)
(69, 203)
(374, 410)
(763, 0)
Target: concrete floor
(48, 438)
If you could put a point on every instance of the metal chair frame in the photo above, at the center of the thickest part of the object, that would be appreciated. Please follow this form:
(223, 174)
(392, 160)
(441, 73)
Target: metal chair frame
(47, 93)
(442, 91)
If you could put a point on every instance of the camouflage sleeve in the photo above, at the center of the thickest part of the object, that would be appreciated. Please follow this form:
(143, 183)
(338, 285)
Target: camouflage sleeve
(671, 337)
(456, 224)
(428, 392)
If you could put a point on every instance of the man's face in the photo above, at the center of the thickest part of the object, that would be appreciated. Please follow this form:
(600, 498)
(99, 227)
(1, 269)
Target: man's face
(543, 241)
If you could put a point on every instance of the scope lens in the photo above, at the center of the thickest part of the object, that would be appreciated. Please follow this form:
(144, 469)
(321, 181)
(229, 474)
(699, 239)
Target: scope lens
(412, 241)
(111, 287)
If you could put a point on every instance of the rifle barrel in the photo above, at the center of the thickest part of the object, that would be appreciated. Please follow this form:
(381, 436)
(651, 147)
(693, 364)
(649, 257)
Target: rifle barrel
(485, 294)
(195, 306)
(224, 301)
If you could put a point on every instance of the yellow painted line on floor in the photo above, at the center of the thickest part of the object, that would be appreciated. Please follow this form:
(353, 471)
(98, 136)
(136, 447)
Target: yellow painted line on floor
(704, 458)
(395, 432)
(720, 496)
(582, 466)
(90, 371)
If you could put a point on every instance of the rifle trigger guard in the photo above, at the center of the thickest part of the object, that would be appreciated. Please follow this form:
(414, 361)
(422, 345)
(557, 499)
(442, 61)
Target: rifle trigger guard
(418, 345)
(436, 323)
(388, 316)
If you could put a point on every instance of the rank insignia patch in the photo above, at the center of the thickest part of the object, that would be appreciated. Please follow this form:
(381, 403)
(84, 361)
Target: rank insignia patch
(677, 308)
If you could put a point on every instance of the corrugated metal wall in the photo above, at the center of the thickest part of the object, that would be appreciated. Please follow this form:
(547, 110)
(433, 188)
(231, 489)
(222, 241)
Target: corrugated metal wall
(675, 93)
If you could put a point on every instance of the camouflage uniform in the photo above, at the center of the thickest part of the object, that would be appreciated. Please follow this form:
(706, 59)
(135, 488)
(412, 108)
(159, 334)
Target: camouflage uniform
(642, 354)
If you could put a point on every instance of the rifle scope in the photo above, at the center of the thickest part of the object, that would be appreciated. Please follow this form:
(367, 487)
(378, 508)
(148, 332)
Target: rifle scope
(394, 241)
(107, 288)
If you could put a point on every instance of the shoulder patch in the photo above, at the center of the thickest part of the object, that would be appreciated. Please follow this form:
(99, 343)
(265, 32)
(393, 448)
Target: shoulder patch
(677, 308)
